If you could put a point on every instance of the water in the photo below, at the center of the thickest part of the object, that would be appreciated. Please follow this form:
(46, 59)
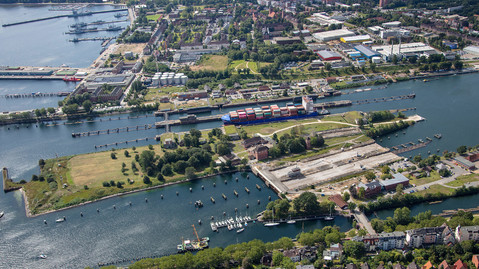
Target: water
(28, 87)
(144, 229)
(44, 43)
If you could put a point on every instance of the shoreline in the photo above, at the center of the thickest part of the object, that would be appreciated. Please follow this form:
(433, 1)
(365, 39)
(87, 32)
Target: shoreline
(30, 215)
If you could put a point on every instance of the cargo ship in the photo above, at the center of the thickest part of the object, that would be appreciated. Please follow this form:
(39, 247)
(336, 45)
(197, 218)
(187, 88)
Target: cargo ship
(71, 79)
(273, 113)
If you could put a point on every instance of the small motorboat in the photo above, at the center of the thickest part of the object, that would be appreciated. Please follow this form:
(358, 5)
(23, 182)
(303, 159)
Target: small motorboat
(1, 214)
(42, 256)
(240, 230)
(61, 220)
(291, 222)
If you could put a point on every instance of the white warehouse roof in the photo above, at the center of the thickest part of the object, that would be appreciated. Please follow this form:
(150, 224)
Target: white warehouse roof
(333, 35)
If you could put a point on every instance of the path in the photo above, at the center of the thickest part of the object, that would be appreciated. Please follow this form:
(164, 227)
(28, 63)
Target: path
(307, 123)
(363, 221)
(252, 71)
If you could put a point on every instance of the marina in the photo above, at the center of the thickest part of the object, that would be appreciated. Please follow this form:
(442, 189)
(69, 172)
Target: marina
(231, 223)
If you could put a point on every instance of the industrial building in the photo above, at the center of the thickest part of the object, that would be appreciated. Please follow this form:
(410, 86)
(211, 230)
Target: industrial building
(323, 19)
(391, 24)
(404, 50)
(375, 29)
(384, 34)
(332, 35)
(472, 50)
(327, 55)
(355, 39)
(391, 184)
(366, 51)
(287, 40)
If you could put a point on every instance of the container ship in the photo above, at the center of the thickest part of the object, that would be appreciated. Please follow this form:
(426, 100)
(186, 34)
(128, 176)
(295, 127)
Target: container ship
(273, 113)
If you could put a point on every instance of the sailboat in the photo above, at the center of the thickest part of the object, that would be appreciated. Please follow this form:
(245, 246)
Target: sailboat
(269, 224)
(330, 217)
(291, 221)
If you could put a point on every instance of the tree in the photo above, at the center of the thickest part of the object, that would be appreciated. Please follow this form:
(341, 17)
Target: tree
(167, 170)
(223, 149)
(399, 189)
(41, 162)
(160, 177)
(146, 180)
(461, 150)
(147, 159)
(346, 196)
(361, 193)
(190, 173)
(354, 249)
(51, 110)
(87, 106)
(307, 204)
(370, 175)
(70, 109)
(402, 216)
(113, 155)
(127, 154)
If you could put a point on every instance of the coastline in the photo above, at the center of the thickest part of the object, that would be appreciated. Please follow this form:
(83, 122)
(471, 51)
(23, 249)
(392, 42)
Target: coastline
(30, 215)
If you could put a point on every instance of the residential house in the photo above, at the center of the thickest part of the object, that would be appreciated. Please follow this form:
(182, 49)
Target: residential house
(383, 241)
(351, 266)
(333, 253)
(413, 265)
(444, 265)
(398, 266)
(293, 254)
(428, 265)
(230, 157)
(309, 266)
(365, 266)
(338, 200)
(191, 95)
(169, 144)
(475, 260)
(467, 233)
(460, 265)
(267, 259)
(429, 236)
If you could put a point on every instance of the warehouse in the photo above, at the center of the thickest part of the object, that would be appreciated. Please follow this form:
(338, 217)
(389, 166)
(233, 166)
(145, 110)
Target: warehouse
(366, 51)
(332, 35)
(404, 50)
(355, 39)
(327, 55)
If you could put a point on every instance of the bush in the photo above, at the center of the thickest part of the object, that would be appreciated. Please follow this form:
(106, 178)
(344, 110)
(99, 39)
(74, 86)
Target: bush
(34, 178)
(190, 173)
(106, 184)
(127, 154)
(113, 155)
(146, 180)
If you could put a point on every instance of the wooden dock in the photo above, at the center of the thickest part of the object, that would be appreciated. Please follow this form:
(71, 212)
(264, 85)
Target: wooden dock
(398, 150)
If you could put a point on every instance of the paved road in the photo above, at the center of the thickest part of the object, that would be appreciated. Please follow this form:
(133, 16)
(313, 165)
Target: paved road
(457, 171)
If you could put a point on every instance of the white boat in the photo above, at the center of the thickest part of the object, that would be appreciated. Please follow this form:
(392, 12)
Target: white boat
(42, 256)
(240, 225)
(330, 217)
(269, 224)
(61, 220)
(1, 214)
(240, 230)
(230, 227)
(291, 221)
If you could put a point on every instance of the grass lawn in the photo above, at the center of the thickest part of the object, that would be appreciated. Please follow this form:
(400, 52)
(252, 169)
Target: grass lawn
(154, 94)
(435, 189)
(348, 117)
(230, 129)
(153, 17)
(434, 176)
(269, 128)
(461, 180)
(211, 62)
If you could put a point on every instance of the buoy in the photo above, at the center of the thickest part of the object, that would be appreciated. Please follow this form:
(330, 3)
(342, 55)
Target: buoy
(162, 197)
(259, 202)
(226, 182)
(224, 213)
(45, 221)
(236, 209)
(114, 206)
(199, 222)
(269, 198)
(212, 217)
(98, 210)
(177, 193)
(214, 184)
(236, 179)
(202, 187)
(191, 190)
(129, 203)
(247, 205)
(146, 200)
(247, 176)
(81, 214)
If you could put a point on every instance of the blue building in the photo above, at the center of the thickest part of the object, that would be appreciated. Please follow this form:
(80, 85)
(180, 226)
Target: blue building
(366, 51)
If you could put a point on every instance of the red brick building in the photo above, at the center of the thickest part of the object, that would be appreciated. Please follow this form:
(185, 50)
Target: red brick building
(260, 153)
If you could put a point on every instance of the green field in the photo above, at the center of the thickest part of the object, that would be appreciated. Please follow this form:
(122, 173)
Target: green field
(153, 17)
(211, 62)
(348, 117)
(461, 180)
(269, 128)
(433, 176)
(436, 189)
(230, 129)
(242, 64)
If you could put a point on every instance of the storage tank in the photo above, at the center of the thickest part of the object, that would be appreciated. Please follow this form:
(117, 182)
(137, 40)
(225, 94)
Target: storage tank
(184, 79)
(164, 81)
(376, 60)
(170, 80)
(177, 80)
(155, 81)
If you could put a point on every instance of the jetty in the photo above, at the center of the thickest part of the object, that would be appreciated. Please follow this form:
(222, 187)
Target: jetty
(90, 39)
(114, 131)
(73, 15)
(231, 223)
(398, 150)
(35, 94)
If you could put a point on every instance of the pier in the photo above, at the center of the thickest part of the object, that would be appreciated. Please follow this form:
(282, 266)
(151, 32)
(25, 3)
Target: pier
(384, 99)
(91, 39)
(73, 15)
(114, 131)
(231, 223)
(124, 142)
(33, 95)
(398, 150)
